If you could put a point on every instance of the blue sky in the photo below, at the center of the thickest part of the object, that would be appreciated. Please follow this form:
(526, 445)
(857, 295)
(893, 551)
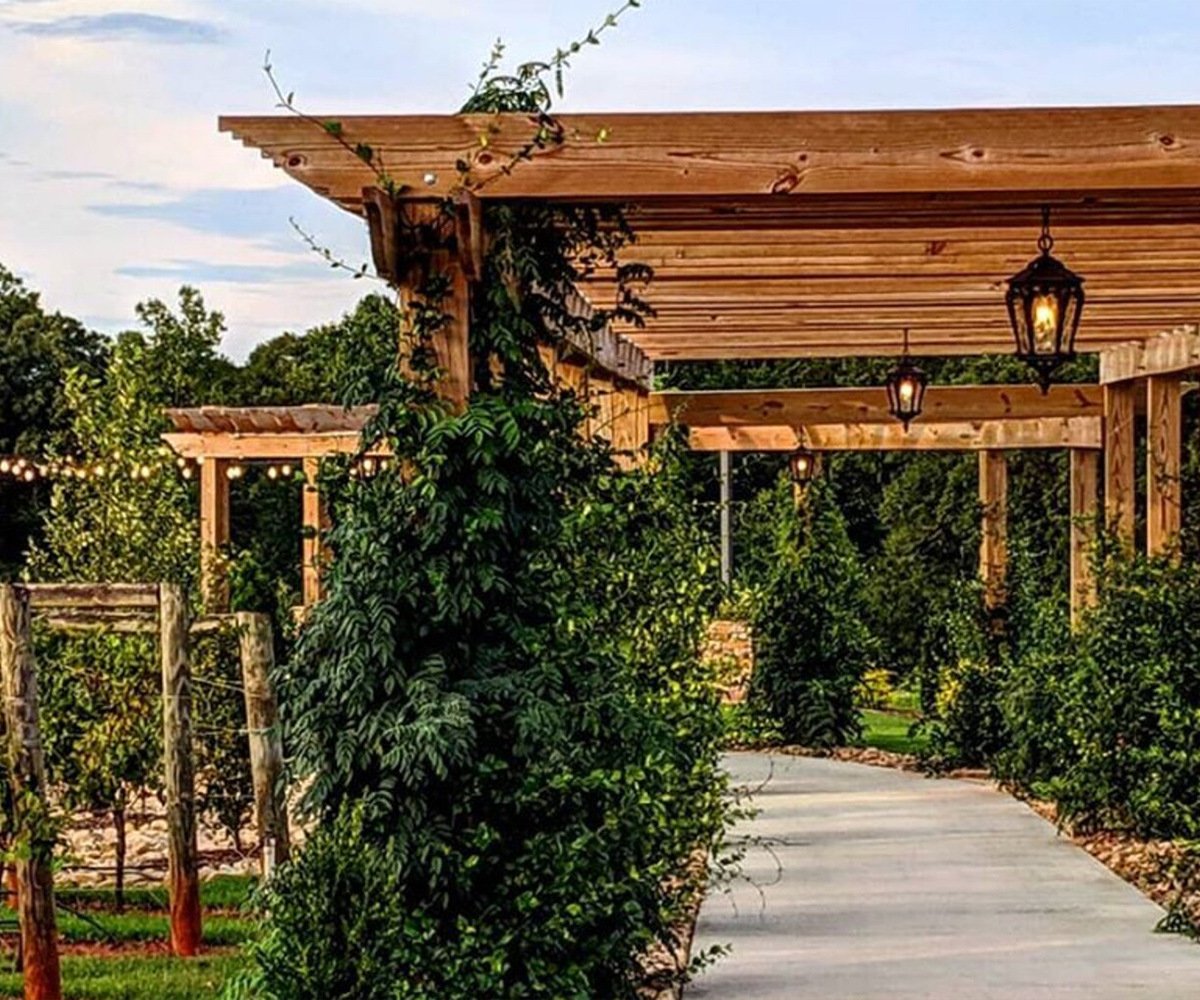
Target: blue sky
(115, 185)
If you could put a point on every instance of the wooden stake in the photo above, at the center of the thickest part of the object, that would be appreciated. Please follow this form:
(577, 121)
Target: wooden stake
(262, 725)
(183, 881)
(1164, 459)
(27, 775)
(1085, 488)
(993, 544)
(1119, 499)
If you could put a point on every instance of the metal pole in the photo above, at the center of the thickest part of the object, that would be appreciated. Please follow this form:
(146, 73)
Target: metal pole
(726, 474)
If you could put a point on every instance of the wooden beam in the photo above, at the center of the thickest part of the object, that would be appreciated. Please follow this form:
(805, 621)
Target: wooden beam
(1085, 496)
(266, 446)
(315, 522)
(993, 544)
(1176, 352)
(996, 435)
(214, 533)
(808, 407)
(1119, 499)
(801, 155)
(1164, 460)
(93, 596)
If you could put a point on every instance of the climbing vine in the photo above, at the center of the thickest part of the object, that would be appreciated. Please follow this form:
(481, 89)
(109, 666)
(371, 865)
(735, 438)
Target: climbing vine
(498, 709)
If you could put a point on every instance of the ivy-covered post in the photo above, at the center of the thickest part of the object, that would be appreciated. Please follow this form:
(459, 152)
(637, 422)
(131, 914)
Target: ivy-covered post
(426, 252)
(27, 775)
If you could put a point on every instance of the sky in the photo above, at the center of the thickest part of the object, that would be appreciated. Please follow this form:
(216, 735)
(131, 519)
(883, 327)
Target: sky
(115, 185)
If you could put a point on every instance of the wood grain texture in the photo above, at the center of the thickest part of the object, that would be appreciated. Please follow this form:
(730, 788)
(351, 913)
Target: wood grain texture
(27, 778)
(214, 533)
(314, 521)
(1164, 463)
(1119, 481)
(183, 878)
(1085, 500)
(984, 435)
(993, 540)
(943, 404)
(257, 648)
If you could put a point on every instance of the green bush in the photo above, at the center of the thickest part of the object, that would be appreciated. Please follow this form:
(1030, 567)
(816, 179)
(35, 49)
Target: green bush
(965, 725)
(1117, 741)
(812, 646)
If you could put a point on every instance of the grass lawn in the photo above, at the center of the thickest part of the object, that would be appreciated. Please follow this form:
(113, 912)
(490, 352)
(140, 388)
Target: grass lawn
(890, 731)
(146, 974)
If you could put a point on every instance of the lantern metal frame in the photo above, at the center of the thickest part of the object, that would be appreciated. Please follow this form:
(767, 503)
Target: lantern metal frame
(802, 465)
(1045, 303)
(906, 407)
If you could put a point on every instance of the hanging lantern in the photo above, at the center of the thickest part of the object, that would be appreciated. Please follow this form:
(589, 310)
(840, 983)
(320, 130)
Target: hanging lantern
(906, 385)
(1045, 301)
(803, 466)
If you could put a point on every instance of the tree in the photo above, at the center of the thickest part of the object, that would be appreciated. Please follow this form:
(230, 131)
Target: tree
(36, 351)
(124, 515)
(812, 645)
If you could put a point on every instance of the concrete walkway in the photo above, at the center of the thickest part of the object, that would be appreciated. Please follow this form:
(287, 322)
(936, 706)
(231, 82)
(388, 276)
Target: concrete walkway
(896, 886)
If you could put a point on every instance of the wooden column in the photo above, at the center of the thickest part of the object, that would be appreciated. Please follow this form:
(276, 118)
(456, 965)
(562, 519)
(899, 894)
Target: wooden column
(725, 467)
(31, 814)
(214, 533)
(315, 522)
(183, 882)
(993, 544)
(262, 727)
(1119, 501)
(1164, 459)
(1085, 496)
(451, 344)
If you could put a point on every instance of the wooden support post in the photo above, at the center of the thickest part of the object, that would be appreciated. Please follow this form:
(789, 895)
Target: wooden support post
(452, 342)
(315, 521)
(27, 777)
(262, 726)
(1164, 459)
(993, 545)
(1119, 500)
(1085, 489)
(726, 474)
(183, 882)
(214, 533)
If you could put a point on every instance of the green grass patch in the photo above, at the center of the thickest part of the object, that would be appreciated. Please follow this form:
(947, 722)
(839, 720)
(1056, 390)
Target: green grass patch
(223, 892)
(138, 977)
(891, 731)
(117, 927)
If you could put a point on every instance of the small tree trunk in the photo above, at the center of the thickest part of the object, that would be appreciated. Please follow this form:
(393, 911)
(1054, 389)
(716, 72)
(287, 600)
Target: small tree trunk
(118, 814)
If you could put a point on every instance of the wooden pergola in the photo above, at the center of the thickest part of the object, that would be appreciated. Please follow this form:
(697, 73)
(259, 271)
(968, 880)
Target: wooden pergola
(825, 234)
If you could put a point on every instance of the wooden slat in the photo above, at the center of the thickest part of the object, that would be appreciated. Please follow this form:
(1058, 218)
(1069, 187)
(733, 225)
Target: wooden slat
(943, 404)
(121, 621)
(799, 154)
(93, 597)
(263, 446)
(1050, 432)
(1164, 460)
(1174, 352)
(306, 420)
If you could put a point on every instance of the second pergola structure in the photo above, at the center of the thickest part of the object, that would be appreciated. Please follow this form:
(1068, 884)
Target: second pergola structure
(826, 234)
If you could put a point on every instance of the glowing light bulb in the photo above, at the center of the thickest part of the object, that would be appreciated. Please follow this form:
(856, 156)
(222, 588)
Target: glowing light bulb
(1045, 321)
(5, 465)
(29, 475)
(286, 470)
(907, 391)
(272, 472)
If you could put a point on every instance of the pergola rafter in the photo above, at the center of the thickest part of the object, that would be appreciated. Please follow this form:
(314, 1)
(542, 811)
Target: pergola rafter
(827, 234)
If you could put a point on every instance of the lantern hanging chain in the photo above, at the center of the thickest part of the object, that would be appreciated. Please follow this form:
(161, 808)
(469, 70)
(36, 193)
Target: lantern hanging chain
(1045, 240)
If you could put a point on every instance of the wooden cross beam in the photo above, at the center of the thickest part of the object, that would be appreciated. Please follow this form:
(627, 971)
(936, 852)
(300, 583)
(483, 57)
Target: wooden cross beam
(980, 435)
(809, 407)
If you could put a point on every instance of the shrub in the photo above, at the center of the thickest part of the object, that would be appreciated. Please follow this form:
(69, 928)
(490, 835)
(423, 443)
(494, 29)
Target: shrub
(875, 689)
(812, 646)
